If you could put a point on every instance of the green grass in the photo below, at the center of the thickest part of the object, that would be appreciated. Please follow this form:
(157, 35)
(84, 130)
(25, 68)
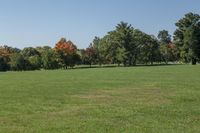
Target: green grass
(159, 99)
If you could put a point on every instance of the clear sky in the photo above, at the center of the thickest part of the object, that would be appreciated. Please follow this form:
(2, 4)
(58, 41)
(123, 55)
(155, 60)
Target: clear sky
(26, 23)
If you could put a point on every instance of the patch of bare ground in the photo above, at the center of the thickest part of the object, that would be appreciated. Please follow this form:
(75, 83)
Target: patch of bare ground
(148, 97)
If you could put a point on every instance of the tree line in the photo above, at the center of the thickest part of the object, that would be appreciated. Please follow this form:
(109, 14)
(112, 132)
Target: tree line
(124, 45)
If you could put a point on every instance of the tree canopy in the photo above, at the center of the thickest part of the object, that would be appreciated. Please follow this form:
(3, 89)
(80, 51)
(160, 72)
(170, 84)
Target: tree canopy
(125, 45)
(187, 37)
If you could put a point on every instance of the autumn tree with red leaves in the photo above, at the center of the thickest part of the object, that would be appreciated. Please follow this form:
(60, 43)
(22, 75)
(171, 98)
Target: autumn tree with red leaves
(68, 52)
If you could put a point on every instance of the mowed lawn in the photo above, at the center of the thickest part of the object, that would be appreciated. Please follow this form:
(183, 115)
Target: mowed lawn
(159, 99)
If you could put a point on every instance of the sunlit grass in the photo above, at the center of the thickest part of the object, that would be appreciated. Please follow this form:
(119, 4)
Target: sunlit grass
(163, 99)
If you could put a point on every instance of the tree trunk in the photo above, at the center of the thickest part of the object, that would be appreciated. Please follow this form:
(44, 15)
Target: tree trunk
(124, 63)
(130, 62)
(151, 62)
(194, 61)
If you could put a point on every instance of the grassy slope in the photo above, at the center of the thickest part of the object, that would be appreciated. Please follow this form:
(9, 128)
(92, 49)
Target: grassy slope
(142, 99)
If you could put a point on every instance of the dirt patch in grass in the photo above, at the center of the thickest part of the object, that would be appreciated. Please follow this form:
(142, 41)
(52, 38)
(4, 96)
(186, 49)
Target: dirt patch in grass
(95, 97)
(148, 97)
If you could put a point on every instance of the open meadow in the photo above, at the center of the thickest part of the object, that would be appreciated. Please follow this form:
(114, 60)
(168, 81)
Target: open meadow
(157, 99)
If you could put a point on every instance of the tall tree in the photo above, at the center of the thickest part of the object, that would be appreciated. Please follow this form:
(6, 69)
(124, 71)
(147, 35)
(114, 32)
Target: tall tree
(124, 36)
(149, 49)
(187, 37)
(116, 52)
(164, 37)
(68, 52)
(168, 51)
(90, 55)
(96, 46)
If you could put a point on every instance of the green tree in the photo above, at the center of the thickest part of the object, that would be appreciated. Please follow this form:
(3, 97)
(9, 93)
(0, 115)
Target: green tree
(187, 37)
(168, 51)
(149, 49)
(104, 50)
(42, 49)
(164, 37)
(30, 51)
(35, 62)
(114, 51)
(18, 62)
(96, 46)
(124, 38)
(4, 64)
(50, 59)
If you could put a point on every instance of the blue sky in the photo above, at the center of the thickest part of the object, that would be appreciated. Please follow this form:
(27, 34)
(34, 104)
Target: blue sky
(26, 23)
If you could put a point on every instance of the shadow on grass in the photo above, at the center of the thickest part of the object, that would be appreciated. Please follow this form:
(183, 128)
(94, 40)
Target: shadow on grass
(116, 66)
(107, 66)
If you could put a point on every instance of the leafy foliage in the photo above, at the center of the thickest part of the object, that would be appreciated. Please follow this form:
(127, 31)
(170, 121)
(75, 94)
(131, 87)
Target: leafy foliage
(187, 37)
(50, 59)
(19, 63)
(124, 45)
(68, 52)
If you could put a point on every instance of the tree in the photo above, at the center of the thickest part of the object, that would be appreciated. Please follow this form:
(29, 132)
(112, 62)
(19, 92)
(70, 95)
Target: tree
(104, 52)
(3, 64)
(18, 62)
(35, 62)
(164, 37)
(42, 49)
(8, 50)
(140, 42)
(149, 49)
(32, 55)
(168, 51)
(5, 53)
(68, 52)
(112, 51)
(28, 52)
(96, 46)
(90, 55)
(124, 36)
(50, 59)
(187, 37)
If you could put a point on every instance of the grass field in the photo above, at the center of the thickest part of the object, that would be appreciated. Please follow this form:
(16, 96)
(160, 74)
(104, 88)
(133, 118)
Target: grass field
(159, 99)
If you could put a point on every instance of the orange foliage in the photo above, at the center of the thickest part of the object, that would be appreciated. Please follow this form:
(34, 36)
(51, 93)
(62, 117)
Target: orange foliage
(4, 52)
(65, 46)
